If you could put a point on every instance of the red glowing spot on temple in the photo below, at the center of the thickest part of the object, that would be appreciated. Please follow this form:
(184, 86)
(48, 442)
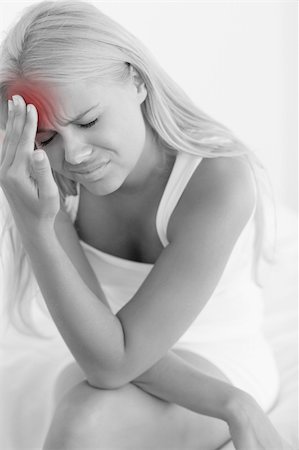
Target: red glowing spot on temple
(41, 95)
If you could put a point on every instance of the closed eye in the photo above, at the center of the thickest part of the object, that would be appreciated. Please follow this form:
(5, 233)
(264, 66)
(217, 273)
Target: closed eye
(90, 124)
(86, 125)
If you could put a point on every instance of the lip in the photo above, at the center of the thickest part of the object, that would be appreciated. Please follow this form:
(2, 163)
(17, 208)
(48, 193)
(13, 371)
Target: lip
(89, 170)
(94, 173)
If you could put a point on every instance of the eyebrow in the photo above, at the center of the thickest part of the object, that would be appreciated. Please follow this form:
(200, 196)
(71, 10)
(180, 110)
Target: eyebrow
(41, 130)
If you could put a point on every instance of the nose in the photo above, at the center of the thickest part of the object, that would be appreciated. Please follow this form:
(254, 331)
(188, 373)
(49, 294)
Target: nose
(77, 152)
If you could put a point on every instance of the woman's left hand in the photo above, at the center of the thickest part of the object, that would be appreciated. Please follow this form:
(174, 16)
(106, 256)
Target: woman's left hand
(28, 185)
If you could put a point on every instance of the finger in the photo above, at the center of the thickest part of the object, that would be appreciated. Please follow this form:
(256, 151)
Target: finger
(42, 172)
(8, 128)
(27, 139)
(19, 109)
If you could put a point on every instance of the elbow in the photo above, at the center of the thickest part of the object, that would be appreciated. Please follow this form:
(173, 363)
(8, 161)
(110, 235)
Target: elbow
(108, 381)
(107, 378)
(102, 384)
(109, 375)
(118, 377)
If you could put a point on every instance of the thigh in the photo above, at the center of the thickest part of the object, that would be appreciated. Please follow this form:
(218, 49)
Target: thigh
(132, 418)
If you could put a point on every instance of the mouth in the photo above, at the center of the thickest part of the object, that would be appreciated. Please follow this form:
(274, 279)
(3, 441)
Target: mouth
(91, 173)
(89, 170)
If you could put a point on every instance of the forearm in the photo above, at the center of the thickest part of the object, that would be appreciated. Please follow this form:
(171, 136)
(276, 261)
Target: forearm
(175, 380)
(93, 334)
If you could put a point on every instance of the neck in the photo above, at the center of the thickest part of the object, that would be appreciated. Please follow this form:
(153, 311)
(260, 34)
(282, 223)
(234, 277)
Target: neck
(153, 167)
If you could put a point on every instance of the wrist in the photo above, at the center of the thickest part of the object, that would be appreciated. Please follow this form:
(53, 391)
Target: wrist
(42, 234)
(239, 407)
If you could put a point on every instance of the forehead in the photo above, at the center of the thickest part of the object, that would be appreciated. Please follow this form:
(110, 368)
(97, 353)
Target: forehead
(41, 95)
(55, 103)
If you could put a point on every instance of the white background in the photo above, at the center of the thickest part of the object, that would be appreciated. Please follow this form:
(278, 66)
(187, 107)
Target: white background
(237, 60)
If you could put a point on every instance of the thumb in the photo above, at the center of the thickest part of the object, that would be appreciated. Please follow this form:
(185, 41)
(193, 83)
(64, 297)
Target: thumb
(43, 175)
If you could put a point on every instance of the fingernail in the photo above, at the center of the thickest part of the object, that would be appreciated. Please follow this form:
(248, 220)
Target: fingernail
(38, 155)
(16, 100)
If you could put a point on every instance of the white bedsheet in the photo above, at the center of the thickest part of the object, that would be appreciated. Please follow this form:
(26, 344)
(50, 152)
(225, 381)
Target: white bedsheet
(29, 366)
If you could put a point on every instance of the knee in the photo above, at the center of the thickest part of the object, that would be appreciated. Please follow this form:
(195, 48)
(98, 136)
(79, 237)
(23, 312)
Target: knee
(85, 415)
(74, 417)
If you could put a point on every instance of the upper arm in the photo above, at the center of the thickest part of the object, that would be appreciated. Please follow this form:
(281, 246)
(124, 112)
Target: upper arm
(210, 216)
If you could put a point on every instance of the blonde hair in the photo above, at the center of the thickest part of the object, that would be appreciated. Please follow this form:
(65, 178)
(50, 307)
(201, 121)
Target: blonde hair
(49, 43)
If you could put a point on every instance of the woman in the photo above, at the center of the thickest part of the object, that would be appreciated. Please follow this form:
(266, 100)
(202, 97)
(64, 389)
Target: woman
(147, 205)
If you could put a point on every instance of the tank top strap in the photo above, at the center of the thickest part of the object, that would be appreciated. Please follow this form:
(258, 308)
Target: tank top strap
(182, 171)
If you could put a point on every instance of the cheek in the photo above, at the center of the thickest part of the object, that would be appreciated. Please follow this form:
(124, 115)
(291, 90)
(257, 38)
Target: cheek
(119, 133)
(132, 131)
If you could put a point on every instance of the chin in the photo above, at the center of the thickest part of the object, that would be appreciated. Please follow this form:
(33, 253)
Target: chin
(101, 187)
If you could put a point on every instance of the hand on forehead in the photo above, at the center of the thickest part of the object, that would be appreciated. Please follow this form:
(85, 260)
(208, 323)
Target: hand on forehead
(41, 95)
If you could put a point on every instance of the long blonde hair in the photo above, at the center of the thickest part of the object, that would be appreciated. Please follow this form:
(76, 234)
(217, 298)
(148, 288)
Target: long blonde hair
(65, 41)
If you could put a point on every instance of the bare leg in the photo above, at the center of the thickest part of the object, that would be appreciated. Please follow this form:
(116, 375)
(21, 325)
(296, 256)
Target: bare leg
(129, 418)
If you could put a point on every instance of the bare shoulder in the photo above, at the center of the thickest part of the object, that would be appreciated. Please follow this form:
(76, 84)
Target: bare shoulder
(219, 186)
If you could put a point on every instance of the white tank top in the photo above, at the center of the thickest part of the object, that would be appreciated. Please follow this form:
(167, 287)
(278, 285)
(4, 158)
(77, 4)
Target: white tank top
(236, 306)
